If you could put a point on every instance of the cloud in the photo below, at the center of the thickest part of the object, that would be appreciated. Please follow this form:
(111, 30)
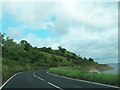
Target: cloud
(94, 14)
(39, 42)
(60, 1)
(14, 32)
(31, 14)
(86, 28)
(95, 44)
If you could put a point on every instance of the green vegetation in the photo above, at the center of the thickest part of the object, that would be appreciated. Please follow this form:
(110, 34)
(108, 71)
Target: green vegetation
(84, 75)
(11, 67)
(22, 56)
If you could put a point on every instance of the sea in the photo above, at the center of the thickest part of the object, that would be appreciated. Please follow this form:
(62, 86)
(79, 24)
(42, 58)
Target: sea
(115, 70)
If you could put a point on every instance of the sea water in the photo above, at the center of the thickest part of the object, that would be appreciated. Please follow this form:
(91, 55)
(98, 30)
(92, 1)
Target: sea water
(115, 70)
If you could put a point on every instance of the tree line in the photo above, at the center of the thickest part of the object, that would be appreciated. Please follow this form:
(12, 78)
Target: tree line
(44, 56)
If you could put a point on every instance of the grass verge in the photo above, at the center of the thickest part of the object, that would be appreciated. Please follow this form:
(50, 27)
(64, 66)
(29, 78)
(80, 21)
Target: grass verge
(10, 67)
(110, 79)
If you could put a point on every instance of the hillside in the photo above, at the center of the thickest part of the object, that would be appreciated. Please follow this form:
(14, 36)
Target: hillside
(22, 56)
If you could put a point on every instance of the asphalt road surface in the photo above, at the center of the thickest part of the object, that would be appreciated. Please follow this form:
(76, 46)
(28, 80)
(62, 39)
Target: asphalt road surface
(42, 79)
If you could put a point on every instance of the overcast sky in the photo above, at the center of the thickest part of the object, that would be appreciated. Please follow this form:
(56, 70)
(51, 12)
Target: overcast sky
(89, 29)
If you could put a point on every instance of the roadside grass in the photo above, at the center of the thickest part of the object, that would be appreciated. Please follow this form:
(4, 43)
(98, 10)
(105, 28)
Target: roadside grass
(10, 67)
(110, 79)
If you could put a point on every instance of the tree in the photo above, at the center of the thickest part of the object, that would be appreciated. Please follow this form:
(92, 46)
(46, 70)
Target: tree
(90, 59)
(62, 49)
(59, 47)
(85, 58)
(49, 50)
(25, 45)
(12, 50)
(44, 49)
(74, 54)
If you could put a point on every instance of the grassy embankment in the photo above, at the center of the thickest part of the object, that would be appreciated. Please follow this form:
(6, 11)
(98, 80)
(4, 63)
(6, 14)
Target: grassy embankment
(84, 75)
(10, 67)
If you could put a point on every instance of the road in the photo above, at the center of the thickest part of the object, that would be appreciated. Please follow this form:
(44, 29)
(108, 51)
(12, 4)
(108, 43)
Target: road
(42, 79)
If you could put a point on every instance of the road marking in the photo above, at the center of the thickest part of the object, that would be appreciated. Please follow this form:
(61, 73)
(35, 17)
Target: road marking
(55, 85)
(9, 80)
(47, 82)
(34, 75)
(37, 77)
(83, 80)
(40, 78)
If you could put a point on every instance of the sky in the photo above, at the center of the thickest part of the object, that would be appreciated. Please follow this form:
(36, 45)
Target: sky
(89, 29)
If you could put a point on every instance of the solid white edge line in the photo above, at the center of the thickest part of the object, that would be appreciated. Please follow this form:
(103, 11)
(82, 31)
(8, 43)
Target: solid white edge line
(37, 77)
(9, 80)
(83, 80)
(55, 85)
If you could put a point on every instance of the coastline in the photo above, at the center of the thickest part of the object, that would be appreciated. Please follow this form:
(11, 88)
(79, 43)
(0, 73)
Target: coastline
(115, 69)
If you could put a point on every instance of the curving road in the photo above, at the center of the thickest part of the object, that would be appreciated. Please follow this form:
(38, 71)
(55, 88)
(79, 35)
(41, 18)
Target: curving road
(42, 79)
